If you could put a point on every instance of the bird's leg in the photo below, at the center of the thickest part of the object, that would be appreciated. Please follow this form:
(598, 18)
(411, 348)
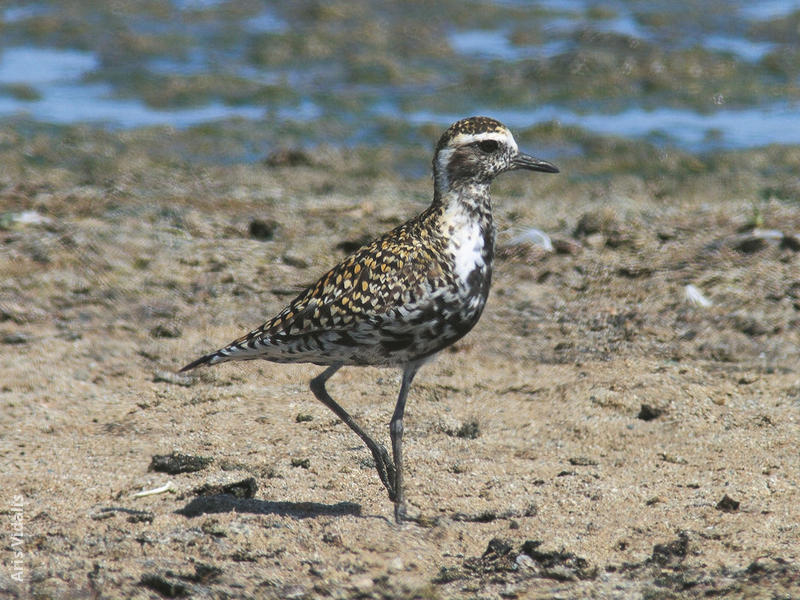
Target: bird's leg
(386, 470)
(396, 432)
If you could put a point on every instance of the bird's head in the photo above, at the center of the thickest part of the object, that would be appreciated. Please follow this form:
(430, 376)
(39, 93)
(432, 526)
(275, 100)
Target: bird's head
(476, 150)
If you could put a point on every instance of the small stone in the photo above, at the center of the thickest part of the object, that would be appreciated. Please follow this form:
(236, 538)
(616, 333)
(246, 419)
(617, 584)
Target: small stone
(290, 592)
(141, 517)
(497, 547)
(178, 463)
(334, 539)
(214, 528)
(246, 488)
(671, 552)
(395, 565)
(204, 573)
(16, 338)
(595, 221)
(566, 246)
(486, 516)
(582, 461)
(558, 565)
(595, 240)
(364, 584)
(448, 575)
(295, 260)
(261, 229)
(671, 458)
(634, 271)
(165, 587)
(469, 430)
(524, 562)
(648, 413)
(727, 504)
(166, 331)
(244, 556)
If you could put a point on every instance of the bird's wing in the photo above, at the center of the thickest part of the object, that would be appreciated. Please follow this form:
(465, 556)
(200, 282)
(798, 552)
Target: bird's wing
(366, 290)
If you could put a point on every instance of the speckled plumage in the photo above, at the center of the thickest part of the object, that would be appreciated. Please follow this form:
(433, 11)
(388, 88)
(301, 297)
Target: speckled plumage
(407, 295)
(394, 301)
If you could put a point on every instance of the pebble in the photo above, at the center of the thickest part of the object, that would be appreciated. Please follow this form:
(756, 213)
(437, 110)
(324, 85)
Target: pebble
(364, 584)
(295, 260)
(566, 246)
(261, 229)
(648, 412)
(395, 565)
(728, 504)
(16, 338)
(166, 331)
(178, 463)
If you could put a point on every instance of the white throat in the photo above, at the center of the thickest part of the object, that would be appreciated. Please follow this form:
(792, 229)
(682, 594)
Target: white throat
(466, 239)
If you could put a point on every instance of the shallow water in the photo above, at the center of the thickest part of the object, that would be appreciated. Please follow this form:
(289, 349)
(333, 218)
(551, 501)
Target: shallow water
(697, 75)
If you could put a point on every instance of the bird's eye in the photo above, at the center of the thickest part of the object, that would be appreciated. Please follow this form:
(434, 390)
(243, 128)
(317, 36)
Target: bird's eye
(488, 146)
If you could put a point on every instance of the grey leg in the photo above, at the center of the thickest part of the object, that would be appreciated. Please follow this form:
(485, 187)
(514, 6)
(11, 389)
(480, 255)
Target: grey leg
(396, 432)
(386, 471)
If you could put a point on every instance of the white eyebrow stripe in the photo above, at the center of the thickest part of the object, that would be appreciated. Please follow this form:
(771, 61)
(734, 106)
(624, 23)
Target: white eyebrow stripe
(470, 138)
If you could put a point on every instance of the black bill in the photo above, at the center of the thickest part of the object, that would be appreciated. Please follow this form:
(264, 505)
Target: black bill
(524, 161)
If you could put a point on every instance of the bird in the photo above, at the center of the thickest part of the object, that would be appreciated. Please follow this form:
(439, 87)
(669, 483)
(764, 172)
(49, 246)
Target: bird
(402, 298)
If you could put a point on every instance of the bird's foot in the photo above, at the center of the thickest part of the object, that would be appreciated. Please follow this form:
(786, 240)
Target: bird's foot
(401, 515)
(400, 512)
(385, 468)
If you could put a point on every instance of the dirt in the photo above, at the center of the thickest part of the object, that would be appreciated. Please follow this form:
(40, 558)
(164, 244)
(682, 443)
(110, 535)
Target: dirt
(597, 435)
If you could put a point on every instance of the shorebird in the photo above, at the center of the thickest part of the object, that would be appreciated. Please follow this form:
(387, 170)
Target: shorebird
(402, 298)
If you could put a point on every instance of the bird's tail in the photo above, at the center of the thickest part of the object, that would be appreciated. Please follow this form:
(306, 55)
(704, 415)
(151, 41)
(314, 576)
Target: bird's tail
(208, 359)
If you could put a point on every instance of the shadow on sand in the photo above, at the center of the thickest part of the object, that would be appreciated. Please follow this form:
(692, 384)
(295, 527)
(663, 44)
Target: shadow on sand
(223, 503)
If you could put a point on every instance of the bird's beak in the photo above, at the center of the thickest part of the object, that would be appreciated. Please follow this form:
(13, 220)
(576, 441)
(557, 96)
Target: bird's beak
(524, 161)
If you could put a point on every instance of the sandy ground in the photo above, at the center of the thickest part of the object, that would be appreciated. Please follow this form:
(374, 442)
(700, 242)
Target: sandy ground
(529, 452)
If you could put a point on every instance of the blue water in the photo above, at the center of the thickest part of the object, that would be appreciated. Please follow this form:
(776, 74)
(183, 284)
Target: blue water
(496, 44)
(735, 128)
(41, 67)
(768, 9)
(67, 93)
(57, 75)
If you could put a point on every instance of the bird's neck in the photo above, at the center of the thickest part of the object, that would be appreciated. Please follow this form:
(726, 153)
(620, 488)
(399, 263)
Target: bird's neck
(463, 219)
(463, 216)
(469, 200)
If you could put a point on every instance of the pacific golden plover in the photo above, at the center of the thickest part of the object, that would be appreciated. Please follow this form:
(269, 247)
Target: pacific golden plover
(399, 300)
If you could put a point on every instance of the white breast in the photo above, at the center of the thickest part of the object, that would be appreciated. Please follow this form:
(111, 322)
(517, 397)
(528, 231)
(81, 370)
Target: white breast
(466, 244)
